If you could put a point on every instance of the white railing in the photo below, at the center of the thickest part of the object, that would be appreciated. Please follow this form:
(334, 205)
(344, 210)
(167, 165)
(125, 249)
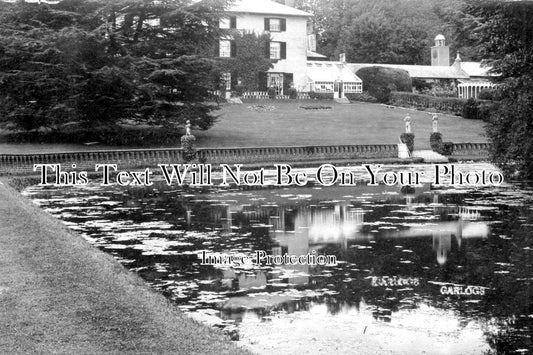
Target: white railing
(263, 95)
(255, 95)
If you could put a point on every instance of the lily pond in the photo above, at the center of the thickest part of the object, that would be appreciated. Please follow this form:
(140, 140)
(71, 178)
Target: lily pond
(418, 270)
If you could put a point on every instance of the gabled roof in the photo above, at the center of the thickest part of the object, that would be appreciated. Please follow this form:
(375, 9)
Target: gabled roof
(476, 69)
(331, 71)
(267, 7)
(311, 54)
(418, 71)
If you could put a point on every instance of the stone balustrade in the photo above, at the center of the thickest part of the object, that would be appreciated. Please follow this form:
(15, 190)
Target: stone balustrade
(23, 163)
(471, 149)
(135, 158)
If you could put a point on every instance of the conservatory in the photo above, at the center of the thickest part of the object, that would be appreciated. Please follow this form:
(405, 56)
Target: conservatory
(332, 77)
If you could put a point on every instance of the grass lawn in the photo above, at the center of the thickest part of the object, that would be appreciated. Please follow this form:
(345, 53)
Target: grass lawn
(288, 124)
(60, 295)
(358, 123)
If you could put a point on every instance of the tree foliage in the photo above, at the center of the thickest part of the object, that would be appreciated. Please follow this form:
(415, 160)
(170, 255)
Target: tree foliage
(380, 81)
(250, 59)
(505, 34)
(379, 31)
(105, 62)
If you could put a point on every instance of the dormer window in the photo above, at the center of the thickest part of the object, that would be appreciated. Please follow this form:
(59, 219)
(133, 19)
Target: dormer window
(275, 24)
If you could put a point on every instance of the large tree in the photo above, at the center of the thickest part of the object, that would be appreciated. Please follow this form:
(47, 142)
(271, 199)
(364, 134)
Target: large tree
(505, 34)
(107, 61)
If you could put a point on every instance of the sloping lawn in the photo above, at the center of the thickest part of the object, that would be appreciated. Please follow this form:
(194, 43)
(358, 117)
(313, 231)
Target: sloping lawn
(285, 123)
(359, 123)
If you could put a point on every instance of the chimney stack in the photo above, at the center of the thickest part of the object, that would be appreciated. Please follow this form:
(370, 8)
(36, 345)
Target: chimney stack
(311, 43)
(289, 3)
(457, 62)
(342, 57)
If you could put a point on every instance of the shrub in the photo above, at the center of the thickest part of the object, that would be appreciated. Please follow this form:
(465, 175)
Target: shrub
(316, 107)
(435, 141)
(471, 109)
(437, 145)
(380, 81)
(239, 90)
(271, 93)
(293, 93)
(382, 94)
(486, 94)
(486, 109)
(363, 97)
(447, 148)
(321, 95)
(409, 140)
(108, 135)
(421, 85)
(187, 144)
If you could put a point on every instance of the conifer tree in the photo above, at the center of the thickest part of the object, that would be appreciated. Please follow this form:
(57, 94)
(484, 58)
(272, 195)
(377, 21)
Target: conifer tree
(102, 62)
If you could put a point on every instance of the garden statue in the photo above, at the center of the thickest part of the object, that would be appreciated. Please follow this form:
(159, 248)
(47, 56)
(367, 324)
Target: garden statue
(435, 121)
(407, 121)
(187, 143)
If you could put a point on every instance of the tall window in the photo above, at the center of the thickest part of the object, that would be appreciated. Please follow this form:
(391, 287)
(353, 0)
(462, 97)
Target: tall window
(225, 48)
(275, 50)
(275, 24)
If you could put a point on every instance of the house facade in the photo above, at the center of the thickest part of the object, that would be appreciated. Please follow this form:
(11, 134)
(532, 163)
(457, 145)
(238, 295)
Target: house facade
(287, 49)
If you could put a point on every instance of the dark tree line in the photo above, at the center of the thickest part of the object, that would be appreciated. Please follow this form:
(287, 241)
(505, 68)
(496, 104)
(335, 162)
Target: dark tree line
(103, 62)
(504, 31)
(382, 31)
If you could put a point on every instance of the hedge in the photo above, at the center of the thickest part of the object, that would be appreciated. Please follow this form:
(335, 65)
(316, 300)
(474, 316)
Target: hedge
(321, 95)
(471, 108)
(363, 97)
(441, 104)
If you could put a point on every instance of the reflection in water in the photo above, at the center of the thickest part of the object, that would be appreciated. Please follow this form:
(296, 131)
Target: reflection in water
(395, 254)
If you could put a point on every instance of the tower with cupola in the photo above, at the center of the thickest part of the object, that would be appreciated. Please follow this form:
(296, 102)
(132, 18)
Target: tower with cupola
(440, 52)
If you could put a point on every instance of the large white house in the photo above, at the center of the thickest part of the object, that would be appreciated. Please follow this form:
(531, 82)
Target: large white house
(296, 64)
(287, 27)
